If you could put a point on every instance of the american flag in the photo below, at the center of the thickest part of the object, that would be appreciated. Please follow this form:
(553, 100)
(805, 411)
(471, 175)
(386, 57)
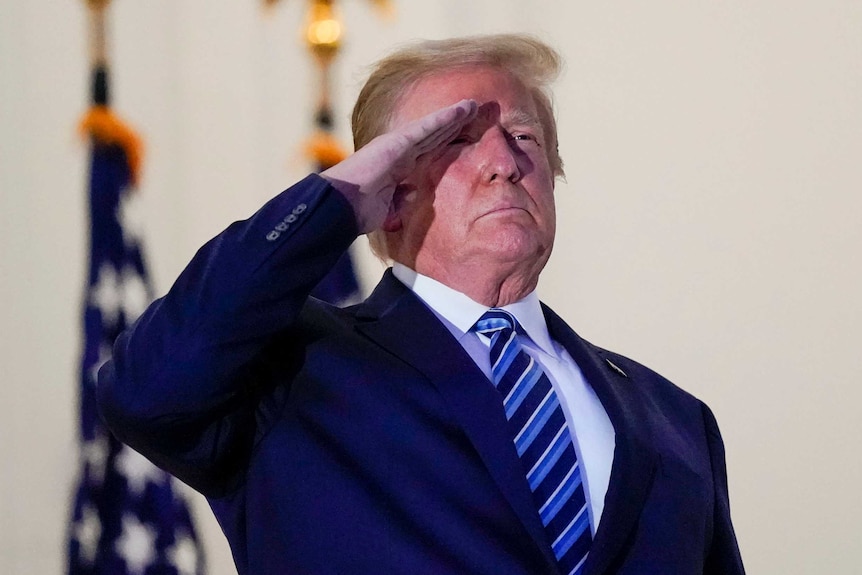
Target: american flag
(127, 516)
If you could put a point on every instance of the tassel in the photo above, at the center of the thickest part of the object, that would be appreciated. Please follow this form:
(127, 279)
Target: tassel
(104, 127)
(325, 150)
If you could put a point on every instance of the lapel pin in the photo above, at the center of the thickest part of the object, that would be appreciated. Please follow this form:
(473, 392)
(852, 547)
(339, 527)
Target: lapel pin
(616, 368)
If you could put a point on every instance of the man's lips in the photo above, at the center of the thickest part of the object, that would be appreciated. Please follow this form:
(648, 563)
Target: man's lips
(503, 210)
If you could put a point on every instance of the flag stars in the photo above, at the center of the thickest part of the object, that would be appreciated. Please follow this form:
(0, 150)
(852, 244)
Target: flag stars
(95, 455)
(136, 546)
(138, 471)
(113, 293)
(131, 218)
(86, 531)
(105, 352)
(106, 295)
(136, 295)
(183, 555)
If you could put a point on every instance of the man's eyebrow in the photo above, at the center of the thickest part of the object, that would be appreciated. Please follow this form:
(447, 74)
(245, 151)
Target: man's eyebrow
(521, 117)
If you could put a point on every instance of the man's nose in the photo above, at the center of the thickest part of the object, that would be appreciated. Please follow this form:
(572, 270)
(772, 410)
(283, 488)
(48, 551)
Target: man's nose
(499, 160)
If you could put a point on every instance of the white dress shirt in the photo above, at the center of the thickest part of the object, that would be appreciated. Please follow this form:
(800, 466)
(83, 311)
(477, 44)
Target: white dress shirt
(591, 429)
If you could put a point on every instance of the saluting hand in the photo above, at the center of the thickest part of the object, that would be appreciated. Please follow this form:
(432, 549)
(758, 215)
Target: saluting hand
(368, 177)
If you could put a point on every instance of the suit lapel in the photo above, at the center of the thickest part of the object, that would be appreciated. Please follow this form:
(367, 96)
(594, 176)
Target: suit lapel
(635, 459)
(398, 320)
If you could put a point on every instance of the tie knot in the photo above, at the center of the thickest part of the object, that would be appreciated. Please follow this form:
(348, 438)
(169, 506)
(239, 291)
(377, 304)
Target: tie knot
(495, 320)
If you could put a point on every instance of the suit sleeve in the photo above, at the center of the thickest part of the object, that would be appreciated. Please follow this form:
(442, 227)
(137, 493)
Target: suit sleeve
(723, 556)
(182, 387)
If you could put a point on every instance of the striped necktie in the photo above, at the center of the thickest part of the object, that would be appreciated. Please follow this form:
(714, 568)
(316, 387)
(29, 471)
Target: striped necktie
(542, 440)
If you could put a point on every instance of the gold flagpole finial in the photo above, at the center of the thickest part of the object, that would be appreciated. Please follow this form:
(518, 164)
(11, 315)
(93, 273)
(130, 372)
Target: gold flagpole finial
(323, 36)
(97, 4)
(323, 31)
(98, 31)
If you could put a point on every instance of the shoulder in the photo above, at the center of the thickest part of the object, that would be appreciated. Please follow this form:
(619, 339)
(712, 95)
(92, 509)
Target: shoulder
(649, 380)
(632, 384)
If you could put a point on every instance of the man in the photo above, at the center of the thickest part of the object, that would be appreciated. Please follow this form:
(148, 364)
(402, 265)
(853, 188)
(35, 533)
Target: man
(450, 423)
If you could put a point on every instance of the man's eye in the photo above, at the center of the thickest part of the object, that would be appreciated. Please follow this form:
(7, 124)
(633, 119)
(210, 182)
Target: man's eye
(459, 140)
(525, 141)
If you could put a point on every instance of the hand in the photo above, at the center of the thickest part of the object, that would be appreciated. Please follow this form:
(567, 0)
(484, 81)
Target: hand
(368, 177)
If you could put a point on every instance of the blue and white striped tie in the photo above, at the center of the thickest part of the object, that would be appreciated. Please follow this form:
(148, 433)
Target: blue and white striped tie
(542, 440)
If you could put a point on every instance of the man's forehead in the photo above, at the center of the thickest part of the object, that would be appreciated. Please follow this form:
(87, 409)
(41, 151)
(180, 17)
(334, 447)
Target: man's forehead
(509, 117)
(437, 88)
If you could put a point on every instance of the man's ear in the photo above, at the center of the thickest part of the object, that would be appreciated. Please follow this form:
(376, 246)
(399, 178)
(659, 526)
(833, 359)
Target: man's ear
(400, 198)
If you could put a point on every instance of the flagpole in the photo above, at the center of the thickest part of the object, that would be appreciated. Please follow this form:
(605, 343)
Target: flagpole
(98, 34)
(323, 35)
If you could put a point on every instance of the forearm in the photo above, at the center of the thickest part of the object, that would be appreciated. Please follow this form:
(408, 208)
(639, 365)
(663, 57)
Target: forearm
(181, 387)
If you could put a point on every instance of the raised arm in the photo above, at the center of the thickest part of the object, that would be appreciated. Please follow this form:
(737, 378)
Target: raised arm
(185, 380)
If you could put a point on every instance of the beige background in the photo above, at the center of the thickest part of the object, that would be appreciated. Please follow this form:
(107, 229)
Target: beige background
(709, 227)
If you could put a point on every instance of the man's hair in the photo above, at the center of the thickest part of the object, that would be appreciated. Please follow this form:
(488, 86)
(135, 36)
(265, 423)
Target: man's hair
(530, 61)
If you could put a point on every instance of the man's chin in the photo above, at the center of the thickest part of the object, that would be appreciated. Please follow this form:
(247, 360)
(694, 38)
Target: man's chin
(517, 248)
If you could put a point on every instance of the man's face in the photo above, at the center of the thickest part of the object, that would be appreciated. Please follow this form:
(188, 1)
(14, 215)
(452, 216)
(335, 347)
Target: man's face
(486, 198)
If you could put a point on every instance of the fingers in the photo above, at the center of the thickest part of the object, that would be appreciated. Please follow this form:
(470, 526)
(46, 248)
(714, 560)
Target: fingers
(438, 128)
(367, 178)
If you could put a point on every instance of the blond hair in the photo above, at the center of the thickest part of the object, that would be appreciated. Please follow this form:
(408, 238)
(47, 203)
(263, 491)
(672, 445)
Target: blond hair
(529, 60)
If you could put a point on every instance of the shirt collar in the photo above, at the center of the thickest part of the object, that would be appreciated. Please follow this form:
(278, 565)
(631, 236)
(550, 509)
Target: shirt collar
(460, 312)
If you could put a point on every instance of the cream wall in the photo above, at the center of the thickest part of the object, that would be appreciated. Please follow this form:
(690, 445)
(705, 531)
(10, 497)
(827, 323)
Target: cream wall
(709, 227)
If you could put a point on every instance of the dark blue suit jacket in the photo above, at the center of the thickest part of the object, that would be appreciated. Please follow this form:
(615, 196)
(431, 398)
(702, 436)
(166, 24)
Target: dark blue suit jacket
(365, 440)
